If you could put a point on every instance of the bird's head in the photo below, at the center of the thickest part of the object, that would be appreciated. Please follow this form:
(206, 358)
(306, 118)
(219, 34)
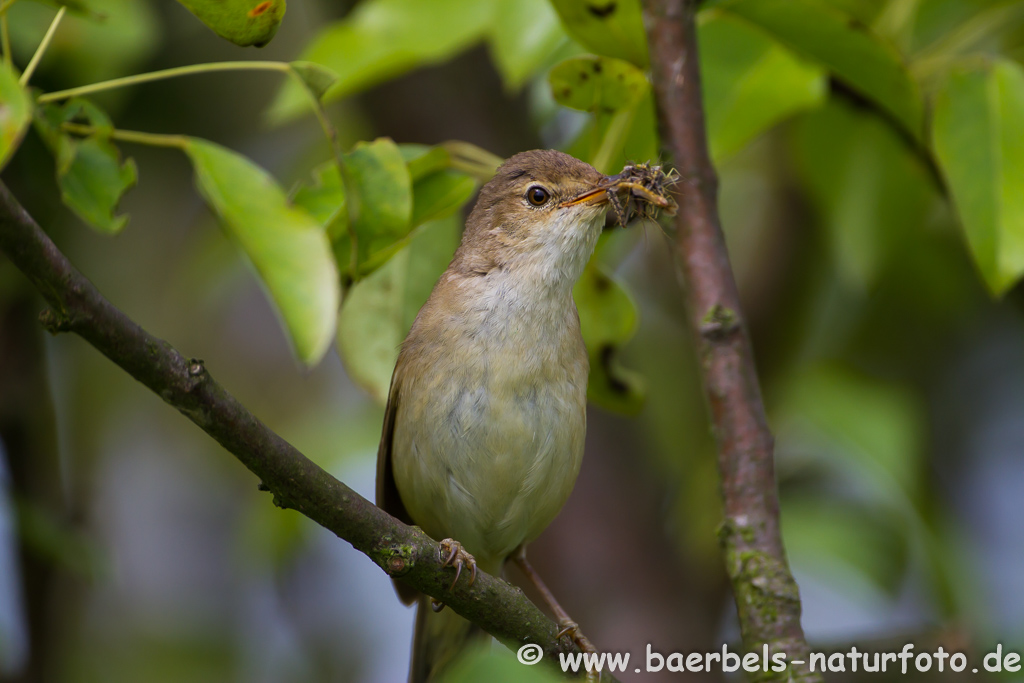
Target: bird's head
(543, 210)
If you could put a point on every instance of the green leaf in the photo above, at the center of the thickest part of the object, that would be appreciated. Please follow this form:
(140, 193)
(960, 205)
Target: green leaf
(90, 173)
(287, 246)
(382, 39)
(317, 79)
(979, 141)
(868, 11)
(15, 113)
(380, 199)
(856, 56)
(597, 84)
(243, 22)
(870, 189)
(423, 160)
(524, 35)
(613, 28)
(639, 141)
(380, 309)
(750, 82)
(51, 117)
(439, 195)
(382, 188)
(324, 199)
(94, 182)
(608, 319)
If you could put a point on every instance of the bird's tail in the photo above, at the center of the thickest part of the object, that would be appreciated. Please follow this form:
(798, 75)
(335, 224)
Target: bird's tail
(438, 640)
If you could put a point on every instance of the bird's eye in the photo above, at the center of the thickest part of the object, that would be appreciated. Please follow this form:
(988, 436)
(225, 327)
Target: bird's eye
(537, 195)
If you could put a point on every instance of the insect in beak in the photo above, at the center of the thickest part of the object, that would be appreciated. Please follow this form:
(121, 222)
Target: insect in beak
(647, 185)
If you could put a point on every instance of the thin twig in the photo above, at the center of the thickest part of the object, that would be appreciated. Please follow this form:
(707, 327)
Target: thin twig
(43, 46)
(163, 74)
(296, 482)
(139, 138)
(767, 598)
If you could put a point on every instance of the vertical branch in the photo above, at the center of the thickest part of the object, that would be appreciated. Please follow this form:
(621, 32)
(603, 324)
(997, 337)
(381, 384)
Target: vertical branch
(767, 599)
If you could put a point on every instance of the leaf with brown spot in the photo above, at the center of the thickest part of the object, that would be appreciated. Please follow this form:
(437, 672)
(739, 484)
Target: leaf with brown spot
(243, 22)
(612, 28)
(595, 84)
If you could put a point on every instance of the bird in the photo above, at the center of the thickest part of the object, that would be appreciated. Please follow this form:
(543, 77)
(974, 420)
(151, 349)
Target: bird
(484, 427)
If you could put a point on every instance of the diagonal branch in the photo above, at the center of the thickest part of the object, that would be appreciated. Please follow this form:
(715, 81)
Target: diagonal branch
(767, 598)
(296, 482)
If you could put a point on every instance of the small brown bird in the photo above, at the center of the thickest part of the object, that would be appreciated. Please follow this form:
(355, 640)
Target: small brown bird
(485, 422)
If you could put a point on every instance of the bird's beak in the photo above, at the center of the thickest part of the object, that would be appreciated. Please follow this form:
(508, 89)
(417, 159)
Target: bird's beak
(595, 196)
(599, 195)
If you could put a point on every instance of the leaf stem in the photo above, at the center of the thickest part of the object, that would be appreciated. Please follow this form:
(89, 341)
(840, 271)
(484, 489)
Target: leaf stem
(43, 45)
(472, 160)
(321, 115)
(150, 139)
(164, 74)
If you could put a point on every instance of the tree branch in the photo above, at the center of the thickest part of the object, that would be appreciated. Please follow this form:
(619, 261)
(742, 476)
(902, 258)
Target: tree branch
(296, 482)
(767, 598)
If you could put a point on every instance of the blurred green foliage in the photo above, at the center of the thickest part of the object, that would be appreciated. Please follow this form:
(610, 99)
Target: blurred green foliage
(870, 151)
(750, 82)
(847, 48)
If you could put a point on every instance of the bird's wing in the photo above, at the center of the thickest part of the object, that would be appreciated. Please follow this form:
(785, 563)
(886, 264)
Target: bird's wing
(388, 498)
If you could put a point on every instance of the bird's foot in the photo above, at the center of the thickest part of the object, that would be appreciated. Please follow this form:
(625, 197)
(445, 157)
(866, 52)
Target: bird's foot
(571, 630)
(456, 556)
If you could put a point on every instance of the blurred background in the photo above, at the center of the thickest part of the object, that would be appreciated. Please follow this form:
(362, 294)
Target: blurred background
(133, 548)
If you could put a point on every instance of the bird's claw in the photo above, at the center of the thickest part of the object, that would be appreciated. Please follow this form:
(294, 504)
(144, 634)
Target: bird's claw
(572, 630)
(457, 557)
(569, 628)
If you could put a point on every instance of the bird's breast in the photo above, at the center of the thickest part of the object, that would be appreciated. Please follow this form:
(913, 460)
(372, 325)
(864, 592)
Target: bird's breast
(492, 415)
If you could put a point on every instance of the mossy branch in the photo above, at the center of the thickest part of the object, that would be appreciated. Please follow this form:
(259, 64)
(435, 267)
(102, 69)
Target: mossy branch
(767, 599)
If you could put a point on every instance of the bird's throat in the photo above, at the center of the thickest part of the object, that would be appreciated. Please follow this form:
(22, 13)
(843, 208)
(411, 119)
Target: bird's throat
(556, 261)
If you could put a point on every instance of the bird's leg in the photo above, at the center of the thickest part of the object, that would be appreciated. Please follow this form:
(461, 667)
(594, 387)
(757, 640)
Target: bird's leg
(568, 626)
(455, 556)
